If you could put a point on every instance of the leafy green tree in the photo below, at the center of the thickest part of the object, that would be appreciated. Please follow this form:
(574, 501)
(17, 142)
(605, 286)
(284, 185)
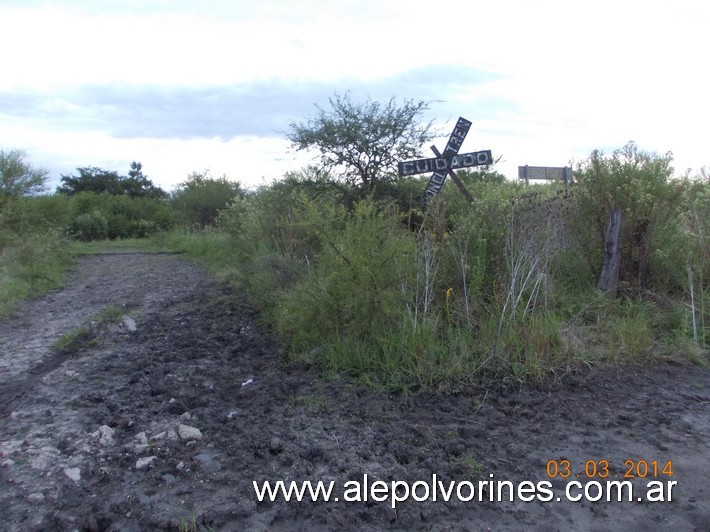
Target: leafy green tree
(98, 181)
(199, 199)
(18, 178)
(364, 141)
(137, 184)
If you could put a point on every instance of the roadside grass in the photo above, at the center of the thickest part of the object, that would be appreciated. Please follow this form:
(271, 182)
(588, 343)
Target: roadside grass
(118, 245)
(209, 247)
(87, 335)
(30, 266)
(33, 264)
(583, 329)
(75, 340)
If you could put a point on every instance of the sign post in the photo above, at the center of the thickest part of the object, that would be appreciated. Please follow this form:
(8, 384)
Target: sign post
(548, 173)
(445, 163)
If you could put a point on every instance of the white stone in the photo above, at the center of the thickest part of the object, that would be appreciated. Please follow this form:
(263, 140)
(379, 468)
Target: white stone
(185, 416)
(106, 435)
(187, 432)
(71, 373)
(130, 324)
(141, 438)
(35, 497)
(141, 448)
(159, 436)
(145, 462)
(73, 473)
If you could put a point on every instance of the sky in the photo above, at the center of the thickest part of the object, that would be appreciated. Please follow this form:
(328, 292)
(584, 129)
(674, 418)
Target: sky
(188, 86)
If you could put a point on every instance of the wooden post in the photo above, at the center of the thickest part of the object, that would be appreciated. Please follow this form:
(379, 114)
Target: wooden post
(609, 279)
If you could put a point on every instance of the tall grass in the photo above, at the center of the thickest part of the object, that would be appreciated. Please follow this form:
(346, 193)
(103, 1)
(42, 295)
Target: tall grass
(30, 266)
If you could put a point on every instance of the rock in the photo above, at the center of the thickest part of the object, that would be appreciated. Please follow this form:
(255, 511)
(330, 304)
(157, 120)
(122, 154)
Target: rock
(73, 473)
(208, 461)
(247, 382)
(43, 461)
(7, 463)
(141, 448)
(276, 445)
(71, 373)
(141, 438)
(9, 447)
(14, 415)
(187, 432)
(145, 462)
(171, 434)
(232, 414)
(185, 416)
(35, 497)
(159, 436)
(180, 466)
(106, 435)
(130, 324)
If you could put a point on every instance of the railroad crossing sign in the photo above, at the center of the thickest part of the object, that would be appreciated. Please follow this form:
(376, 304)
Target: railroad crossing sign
(462, 160)
(445, 163)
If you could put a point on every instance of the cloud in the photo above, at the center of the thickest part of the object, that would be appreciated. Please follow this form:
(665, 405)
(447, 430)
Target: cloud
(259, 108)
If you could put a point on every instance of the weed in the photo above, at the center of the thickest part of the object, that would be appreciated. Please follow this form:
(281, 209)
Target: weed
(74, 341)
(472, 467)
(87, 335)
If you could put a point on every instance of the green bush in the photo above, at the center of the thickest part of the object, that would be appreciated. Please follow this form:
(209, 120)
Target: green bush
(89, 226)
(36, 214)
(198, 200)
(640, 184)
(126, 217)
(353, 288)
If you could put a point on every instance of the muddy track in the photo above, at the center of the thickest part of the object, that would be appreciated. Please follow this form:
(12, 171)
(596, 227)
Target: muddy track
(93, 440)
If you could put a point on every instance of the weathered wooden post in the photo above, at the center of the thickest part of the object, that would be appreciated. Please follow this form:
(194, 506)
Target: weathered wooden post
(609, 279)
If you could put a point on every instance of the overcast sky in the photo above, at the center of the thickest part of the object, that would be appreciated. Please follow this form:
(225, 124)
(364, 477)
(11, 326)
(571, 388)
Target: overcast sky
(189, 85)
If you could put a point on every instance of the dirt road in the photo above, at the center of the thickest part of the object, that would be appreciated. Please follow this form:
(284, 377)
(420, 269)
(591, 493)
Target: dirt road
(168, 423)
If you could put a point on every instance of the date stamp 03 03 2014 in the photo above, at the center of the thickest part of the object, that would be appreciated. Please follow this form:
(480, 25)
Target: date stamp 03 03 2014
(602, 469)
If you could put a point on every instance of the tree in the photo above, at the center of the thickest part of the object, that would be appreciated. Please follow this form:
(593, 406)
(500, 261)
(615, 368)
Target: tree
(91, 179)
(199, 199)
(18, 178)
(138, 185)
(364, 141)
(96, 180)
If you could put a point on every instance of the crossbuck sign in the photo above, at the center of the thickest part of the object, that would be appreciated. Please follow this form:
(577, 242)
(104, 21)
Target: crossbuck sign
(445, 163)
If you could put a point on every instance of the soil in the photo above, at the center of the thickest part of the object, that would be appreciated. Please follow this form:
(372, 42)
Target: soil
(89, 439)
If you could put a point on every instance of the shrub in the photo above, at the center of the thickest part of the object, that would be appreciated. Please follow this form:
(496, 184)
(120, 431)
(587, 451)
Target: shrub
(198, 200)
(639, 183)
(89, 226)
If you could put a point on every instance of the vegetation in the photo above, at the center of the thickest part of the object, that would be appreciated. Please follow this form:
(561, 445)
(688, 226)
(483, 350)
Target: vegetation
(364, 141)
(98, 181)
(198, 200)
(18, 178)
(360, 280)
